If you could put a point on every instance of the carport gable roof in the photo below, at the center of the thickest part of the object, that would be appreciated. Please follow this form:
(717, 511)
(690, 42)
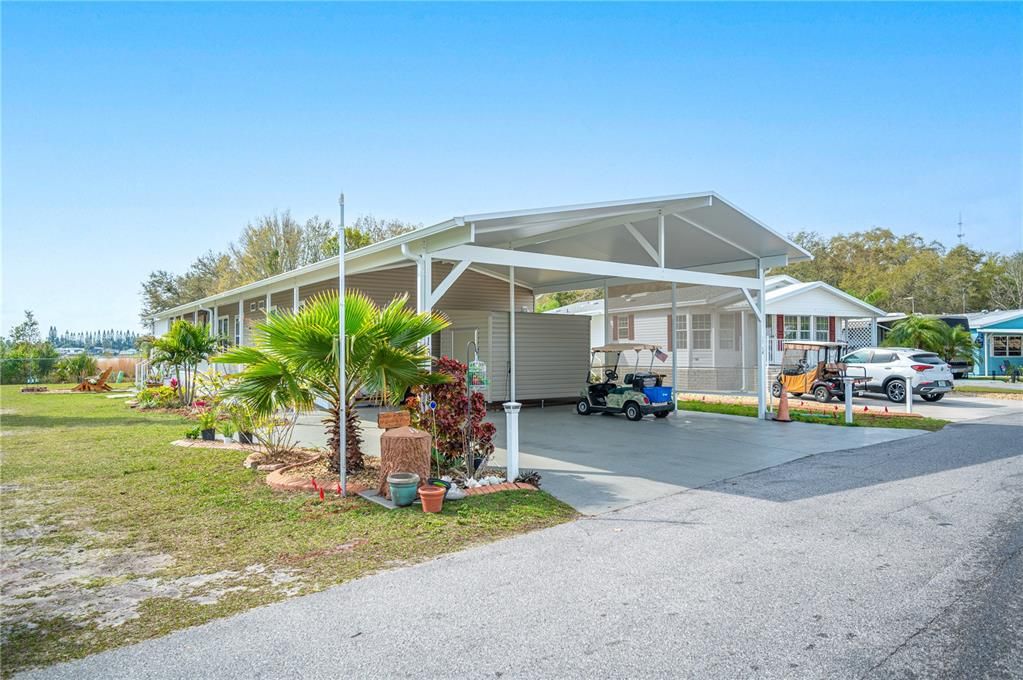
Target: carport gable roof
(703, 233)
(706, 240)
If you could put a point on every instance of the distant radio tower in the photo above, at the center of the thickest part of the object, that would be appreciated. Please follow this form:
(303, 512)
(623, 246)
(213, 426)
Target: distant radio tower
(961, 233)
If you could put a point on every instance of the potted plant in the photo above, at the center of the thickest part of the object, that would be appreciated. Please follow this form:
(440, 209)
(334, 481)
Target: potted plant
(207, 423)
(241, 418)
(227, 429)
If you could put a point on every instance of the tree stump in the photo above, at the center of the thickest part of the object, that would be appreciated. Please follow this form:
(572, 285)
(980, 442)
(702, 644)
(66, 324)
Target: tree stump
(404, 449)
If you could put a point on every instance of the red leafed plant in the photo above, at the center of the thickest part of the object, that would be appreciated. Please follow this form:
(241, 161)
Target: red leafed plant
(451, 414)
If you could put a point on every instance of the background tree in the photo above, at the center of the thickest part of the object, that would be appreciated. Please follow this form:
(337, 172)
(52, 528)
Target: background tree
(1007, 282)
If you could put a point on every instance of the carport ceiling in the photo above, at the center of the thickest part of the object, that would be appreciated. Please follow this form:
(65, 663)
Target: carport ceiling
(703, 232)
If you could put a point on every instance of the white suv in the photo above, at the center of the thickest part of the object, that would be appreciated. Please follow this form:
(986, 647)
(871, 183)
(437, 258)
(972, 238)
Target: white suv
(887, 368)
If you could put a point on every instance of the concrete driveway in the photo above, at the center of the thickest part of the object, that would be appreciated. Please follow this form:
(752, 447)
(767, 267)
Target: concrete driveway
(600, 463)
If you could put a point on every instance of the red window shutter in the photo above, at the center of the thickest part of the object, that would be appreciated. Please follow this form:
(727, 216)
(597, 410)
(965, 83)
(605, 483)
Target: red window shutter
(632, 326)
(831, 328)
(671, 336)
(779, 326)
(614, 327)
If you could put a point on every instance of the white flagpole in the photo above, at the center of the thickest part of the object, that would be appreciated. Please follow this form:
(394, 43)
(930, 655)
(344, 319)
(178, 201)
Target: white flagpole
(342, 458)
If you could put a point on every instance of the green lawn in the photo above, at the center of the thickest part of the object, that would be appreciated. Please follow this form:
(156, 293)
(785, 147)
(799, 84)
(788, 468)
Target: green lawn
(111, 535)
(982, 389)
(859, 419)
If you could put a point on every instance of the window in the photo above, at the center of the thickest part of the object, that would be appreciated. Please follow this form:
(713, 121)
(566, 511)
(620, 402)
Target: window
(681, 339)
(1006, 345)
(797, 327)
(622, 325)
(821, 329)
(701, 331)
(883, 358)
(237, 330)
(858, 357)
(252, 306)
(728, 337)
(224, 327)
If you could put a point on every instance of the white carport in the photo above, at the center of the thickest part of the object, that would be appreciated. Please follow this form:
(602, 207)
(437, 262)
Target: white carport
(690, 239)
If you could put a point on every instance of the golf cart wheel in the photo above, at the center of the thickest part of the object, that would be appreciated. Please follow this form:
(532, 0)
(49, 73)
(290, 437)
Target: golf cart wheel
(582, 407)
(776, 390)
(896, 391)
(933, 397)
(632, 411)
(822, 394)
(662, 414)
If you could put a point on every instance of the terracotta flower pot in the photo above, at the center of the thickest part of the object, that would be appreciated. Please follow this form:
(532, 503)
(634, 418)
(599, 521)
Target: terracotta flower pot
(433, 498)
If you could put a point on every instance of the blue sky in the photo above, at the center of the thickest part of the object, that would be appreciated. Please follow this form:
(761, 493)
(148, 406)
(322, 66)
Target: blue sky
(136, 136)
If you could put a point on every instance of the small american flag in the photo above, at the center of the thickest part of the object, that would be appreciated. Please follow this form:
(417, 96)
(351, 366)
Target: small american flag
(661, 356)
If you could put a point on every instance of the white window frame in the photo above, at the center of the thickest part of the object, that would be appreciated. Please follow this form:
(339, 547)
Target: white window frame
(224, 326)
(822, 334)
(1006, 350)
(237, 330)
(681, 329)
(702, 336)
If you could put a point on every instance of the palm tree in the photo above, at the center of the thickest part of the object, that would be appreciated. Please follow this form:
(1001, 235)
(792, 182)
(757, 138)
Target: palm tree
(294, 360)
(918, 331)
(957, 344)
(185, 346)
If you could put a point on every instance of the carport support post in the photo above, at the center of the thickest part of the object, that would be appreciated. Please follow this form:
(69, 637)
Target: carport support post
(674, 350)
(511, 413)
(847, 384)
(761, 345)
(607, 321)
(511, 337)
(909, 393)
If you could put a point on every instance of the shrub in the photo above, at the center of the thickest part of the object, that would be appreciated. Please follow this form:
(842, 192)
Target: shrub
(194, 433)
(206, 416)
(157, 397)
(449, 419)
(76, 368)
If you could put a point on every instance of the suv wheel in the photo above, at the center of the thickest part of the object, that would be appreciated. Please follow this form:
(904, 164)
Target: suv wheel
(896, 390)
(822, 394)
(582, 407)
(632, 411)
(933, 397)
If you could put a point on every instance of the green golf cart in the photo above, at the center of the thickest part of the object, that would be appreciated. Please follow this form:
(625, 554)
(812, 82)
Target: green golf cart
(639, 394)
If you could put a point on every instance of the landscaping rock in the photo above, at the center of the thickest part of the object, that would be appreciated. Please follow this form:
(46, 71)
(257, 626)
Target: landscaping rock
(253, 460)
(270, 467)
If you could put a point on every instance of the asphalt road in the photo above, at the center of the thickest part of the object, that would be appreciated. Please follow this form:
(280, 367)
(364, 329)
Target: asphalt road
(898, 560)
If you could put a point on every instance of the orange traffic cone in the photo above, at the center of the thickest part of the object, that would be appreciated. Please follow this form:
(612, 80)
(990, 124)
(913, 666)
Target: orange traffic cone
(783, 408)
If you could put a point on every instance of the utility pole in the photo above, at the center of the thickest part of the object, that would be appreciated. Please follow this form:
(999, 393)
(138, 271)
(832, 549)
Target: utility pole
(961, 234)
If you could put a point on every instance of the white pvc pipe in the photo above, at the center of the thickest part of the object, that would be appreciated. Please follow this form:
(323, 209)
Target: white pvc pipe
(343, 425)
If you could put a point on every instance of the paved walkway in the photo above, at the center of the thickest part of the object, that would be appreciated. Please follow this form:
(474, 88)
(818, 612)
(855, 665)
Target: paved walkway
(863, 563)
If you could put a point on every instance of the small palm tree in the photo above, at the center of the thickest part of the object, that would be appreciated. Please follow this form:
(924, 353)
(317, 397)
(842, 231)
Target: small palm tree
(918, 331)
(294, 360)
(185, 346)
(957, 344)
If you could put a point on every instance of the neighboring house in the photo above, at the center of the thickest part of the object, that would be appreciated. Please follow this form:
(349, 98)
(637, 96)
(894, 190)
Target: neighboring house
(714, 341)
(998, 337)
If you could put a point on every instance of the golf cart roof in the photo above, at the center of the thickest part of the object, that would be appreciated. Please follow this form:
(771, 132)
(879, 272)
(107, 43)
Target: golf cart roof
(626, 347)
(811, 344)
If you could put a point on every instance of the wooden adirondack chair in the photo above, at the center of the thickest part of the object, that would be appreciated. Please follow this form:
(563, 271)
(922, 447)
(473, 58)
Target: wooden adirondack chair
(96, 384)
